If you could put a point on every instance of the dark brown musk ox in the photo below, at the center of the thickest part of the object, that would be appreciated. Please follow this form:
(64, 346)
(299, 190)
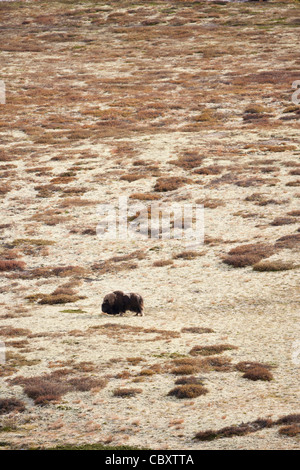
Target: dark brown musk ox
(119, 302)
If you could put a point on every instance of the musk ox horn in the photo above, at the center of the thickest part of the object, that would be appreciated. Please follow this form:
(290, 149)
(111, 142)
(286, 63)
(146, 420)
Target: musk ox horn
(118, 302)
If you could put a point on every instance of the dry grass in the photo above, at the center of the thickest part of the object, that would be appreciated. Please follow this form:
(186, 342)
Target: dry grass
(245, 366)
(12, 265)
(51, 387)
(258, 373)
(188, 391)
(184, 370)
(163, 262)
(248, 255)
(8, 331)
(288, 242)
(216, 364)
(283, 221)
(292, 430)
(197, 330)
(54, 271)
(188, 160)
(145, 196)
(233, 431)
(11, 405)
(188, 254)
(293, 418)
(130, 177)
(189, 380)
(136, 115)
(126, 392)
(170, 183)
(275, 266)
(211, 350)
(54, 299)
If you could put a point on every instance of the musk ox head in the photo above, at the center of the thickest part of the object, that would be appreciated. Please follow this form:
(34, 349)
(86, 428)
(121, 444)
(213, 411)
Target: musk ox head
(119, 302)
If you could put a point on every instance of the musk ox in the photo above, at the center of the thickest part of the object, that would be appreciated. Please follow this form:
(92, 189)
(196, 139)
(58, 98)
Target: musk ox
(119, 302)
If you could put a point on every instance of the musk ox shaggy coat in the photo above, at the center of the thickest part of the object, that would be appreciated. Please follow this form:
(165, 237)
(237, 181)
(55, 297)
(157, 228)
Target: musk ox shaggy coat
(119, 302)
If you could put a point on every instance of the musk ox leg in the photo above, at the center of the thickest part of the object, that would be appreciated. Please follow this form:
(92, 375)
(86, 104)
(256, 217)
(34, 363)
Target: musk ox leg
(140, 314)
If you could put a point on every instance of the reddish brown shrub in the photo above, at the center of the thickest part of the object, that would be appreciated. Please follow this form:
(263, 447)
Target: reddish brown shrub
(188, 254)
(12, 331)
(245, 366)
(189, 380)
(196, 329)
(170, 183)
(217, 364)
(51, 387)
(248, 255)
(293, 418)
(188, 391)
(54, 299)
(126, 392)
(86, 383)
(232, 431)
(210, 350)
(12, 265)
(290, 431)
(258, 373)
(130, 177)
(145, 196)
(184, 370)
(288, 241)
(4, 188)
(8, 405)
(188, 160)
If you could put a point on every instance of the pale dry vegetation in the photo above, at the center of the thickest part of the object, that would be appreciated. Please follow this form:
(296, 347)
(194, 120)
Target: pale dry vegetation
(182, 102)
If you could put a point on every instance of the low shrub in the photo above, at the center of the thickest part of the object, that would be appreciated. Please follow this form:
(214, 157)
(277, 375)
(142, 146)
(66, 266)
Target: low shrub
(184, 380)
(196, 329)
(245, 366)
(290, 431)
(12, 265)
(274, 266)
(283, 221)
(248, 255)
(293, 418)
(258, 373)
(51, 387)
(53, 299)
(232, 431)
(288, 241)
(163, 262)
(8, 405)
(188, 391)
(145, 196)
(210, 350)
(188, 160)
